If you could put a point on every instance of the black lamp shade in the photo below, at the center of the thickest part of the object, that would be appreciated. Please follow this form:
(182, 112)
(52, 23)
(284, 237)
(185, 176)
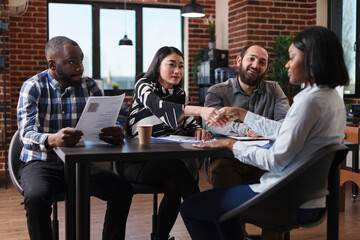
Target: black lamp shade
(125, 41)
(193, 9)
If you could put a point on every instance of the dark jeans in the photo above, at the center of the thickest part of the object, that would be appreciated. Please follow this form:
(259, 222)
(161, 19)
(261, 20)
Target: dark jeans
(201, 211)
(43, 180)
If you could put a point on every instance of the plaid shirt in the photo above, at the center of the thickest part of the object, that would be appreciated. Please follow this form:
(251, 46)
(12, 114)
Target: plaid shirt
(44, 108)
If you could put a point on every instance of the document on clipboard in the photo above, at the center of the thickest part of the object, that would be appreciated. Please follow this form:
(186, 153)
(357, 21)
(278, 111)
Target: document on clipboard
(254, 141)
(99, 112)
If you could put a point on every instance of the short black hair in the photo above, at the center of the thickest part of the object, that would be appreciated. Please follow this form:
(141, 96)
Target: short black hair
(244, 50)
(153, 70)
(323, 56)
(55, 46)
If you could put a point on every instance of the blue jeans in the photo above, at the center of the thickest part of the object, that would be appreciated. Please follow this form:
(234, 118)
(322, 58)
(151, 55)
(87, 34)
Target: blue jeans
(200, 212)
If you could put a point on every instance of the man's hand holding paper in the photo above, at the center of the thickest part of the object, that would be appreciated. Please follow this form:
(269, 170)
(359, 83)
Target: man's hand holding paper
(66, 137)
(113, 135)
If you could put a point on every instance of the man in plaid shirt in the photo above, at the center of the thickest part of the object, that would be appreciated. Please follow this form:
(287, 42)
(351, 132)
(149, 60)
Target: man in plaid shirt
(50, 104)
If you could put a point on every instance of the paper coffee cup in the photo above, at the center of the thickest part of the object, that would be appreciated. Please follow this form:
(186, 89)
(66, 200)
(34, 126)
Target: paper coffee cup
(145, 132)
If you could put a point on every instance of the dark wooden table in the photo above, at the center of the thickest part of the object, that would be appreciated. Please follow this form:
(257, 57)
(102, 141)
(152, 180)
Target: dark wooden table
(77, 164)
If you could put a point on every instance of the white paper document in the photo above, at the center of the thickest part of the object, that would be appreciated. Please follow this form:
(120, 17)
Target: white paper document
(99, 112)
(176, 138)
(248, 138)
(254, 141)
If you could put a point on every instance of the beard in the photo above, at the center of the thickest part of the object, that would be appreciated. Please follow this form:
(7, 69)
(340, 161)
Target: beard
(68, 79)
(248, 79)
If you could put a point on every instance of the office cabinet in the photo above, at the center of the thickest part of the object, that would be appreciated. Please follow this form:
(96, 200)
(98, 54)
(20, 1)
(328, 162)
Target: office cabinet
(213, 59)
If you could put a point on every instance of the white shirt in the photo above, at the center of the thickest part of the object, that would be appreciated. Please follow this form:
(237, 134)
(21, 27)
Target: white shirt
(316, 118)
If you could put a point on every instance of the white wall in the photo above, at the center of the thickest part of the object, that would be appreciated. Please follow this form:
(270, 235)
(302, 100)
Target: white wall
(321, 13)
(222, 24)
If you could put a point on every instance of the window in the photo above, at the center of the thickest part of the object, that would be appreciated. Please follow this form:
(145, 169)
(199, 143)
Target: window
(61, 22)
(117, 64)
(98, 27)
(156, 22)
(344, 20)
(348, 39)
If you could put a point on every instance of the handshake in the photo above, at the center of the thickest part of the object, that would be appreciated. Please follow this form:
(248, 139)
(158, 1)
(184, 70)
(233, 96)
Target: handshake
(219, 118)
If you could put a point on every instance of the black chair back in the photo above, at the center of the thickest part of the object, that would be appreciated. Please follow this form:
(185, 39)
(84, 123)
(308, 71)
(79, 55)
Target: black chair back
(14, 161)
(15, 164)
(276, 208)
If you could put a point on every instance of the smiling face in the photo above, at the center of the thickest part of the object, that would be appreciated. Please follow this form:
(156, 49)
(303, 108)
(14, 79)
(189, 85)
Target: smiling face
(171, 70)
(295, 67)
(253, 66)
(67, 67)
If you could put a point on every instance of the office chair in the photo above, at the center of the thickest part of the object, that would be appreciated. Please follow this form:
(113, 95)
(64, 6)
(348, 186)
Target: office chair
(275, 209)
(206, 163)
(147, 189)
(14, 165)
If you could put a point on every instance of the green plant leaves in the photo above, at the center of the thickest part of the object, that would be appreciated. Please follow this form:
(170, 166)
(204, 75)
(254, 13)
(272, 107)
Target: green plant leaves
(197, 61)
(277, 70)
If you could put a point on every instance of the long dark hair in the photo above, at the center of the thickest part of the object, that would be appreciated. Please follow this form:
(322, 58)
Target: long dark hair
(152, 73)
(153, 70)
(323, 56)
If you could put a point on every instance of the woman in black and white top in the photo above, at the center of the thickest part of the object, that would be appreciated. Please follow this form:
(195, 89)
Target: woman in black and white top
(160, 102)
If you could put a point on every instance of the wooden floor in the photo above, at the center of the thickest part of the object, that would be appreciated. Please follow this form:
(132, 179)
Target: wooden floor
(13, 222)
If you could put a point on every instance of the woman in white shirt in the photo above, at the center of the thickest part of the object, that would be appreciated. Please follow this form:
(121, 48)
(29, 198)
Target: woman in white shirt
(317, 118)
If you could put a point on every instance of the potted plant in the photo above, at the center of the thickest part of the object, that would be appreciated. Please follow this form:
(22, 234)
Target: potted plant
(197, 61)
(115, 87)
(277, 70)
(210, 22)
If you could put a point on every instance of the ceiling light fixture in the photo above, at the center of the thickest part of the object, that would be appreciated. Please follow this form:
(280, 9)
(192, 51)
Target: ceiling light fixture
(193, 10)
(125, 41)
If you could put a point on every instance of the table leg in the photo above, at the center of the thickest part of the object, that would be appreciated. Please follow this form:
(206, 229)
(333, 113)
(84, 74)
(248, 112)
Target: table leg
(70, 210)
(82, 201)
(333, 205)
(355, 168)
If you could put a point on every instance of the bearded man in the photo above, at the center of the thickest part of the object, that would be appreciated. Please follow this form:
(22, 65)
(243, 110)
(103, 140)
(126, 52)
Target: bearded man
(251, 92)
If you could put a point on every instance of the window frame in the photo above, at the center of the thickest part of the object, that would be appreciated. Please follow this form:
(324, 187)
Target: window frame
(137, 7)
(335, 23)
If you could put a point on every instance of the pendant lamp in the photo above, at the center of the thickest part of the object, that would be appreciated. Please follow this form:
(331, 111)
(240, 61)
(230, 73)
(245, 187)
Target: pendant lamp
(193, 10)
(125, 41)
